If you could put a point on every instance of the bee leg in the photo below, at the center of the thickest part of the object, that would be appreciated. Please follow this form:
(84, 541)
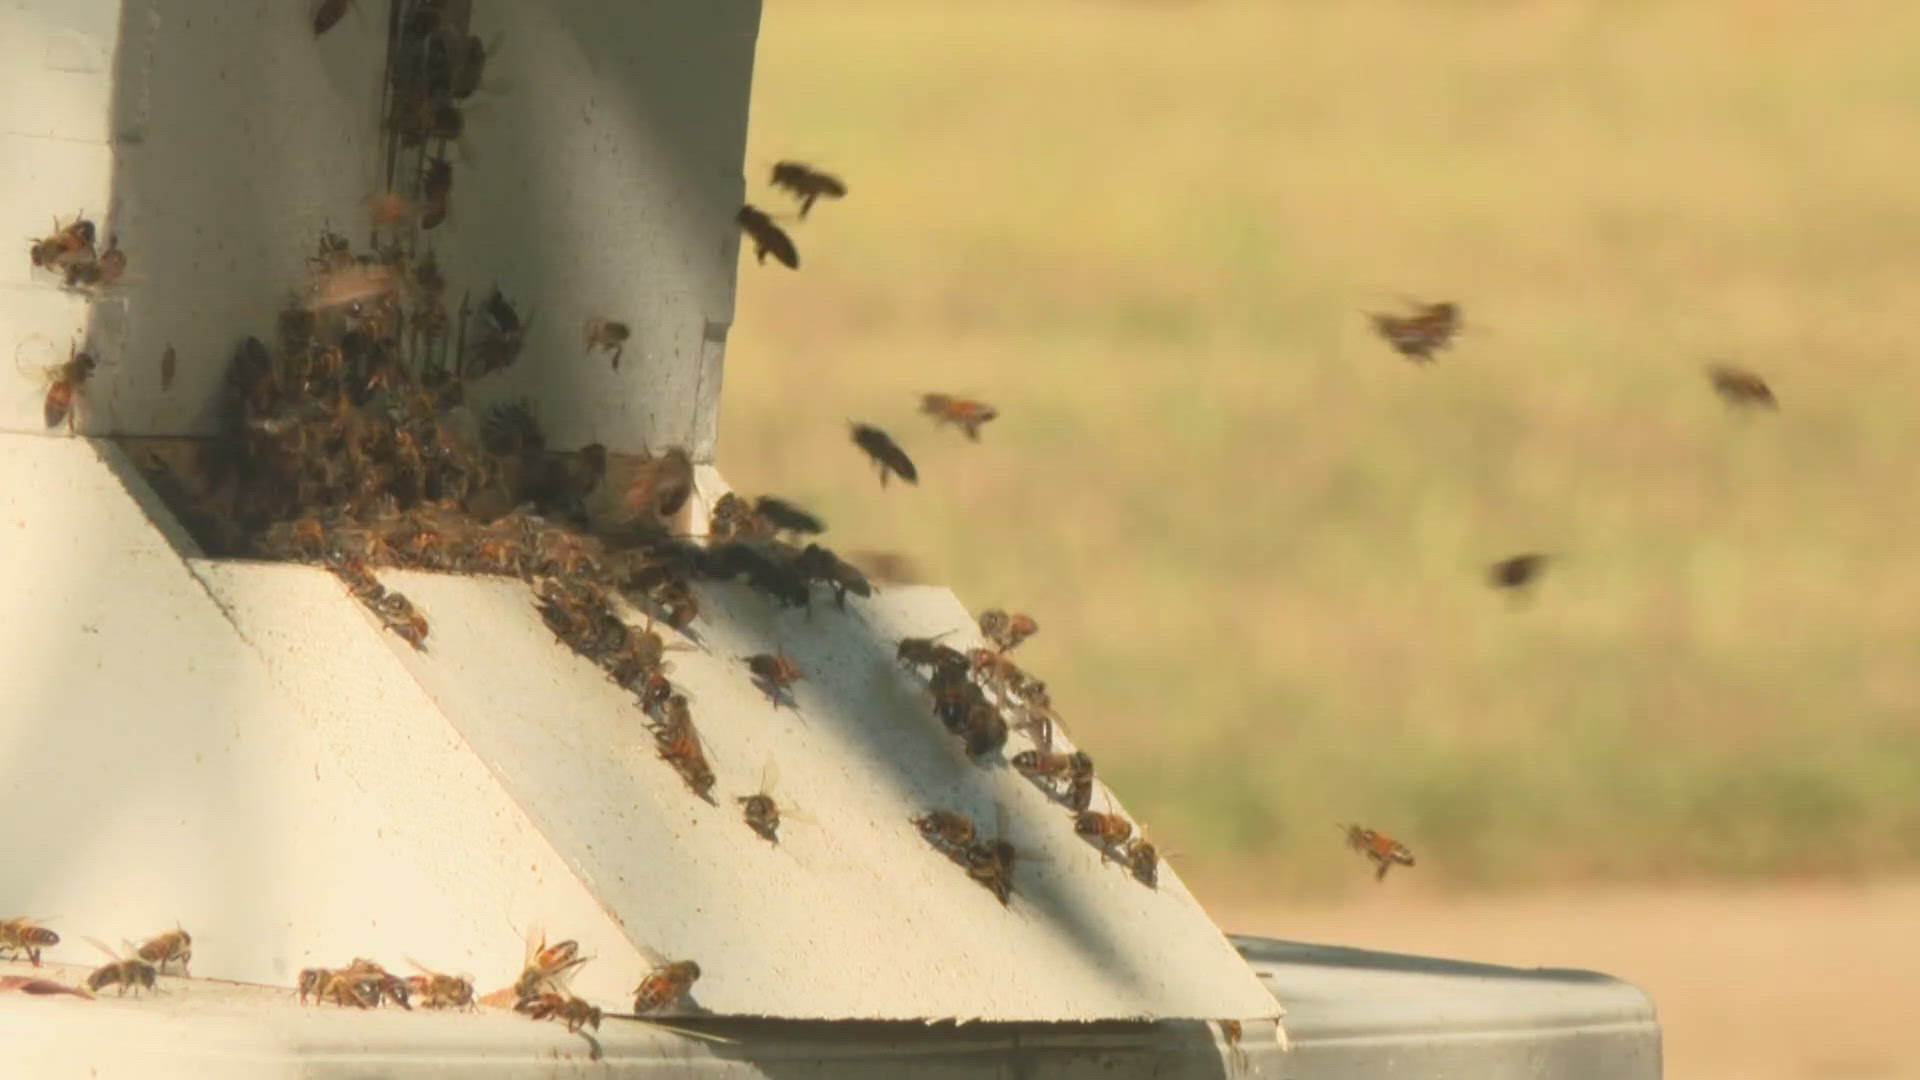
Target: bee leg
(1381, 873)
(616, 357)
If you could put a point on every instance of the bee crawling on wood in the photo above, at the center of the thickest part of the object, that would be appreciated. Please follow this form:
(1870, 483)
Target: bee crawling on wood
(774, 673)
(1383, 850)
(1005, 631)
(173, 946)
(1741, 388)
(768, 238)
(128, 973)
(574, 1012)
(1143, 862)
(1428, 329)
(760, 811)
(608, 335)
(662, 484)
(665, 986)
(807, 183)
(67, 245)
(1050, 768)
(1109, 832)
(23, 935)
(678, 744)
(964, 413)
(885, 453)
(66, 384)
(436, 991)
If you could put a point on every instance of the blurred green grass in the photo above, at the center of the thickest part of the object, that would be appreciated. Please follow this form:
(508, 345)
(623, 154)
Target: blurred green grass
(1255, 539)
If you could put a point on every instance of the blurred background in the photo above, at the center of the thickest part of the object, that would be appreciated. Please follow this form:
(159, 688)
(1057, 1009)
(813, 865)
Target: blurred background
(1256, 540)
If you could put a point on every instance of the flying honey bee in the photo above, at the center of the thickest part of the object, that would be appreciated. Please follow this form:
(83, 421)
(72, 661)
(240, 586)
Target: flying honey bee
(574, 1012)
(775, 673)
(173, 946)
(665, 985)
(759, 810)
(23, 935)
(1420, 334)
(436, 991)
(1382, 849)
(807, 183)
(662, 485)
(1516, 571)
(885, 453)
(67, 244)
(609, 335)
(966, 414)
(768, 238)
(1740, 387)
(128, 973)
(1007, 631)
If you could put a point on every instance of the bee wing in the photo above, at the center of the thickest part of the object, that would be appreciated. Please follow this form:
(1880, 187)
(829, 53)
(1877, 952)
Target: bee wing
(36, 357)
(420, 967)
(769, 777)
(105, 948)
(650, 954)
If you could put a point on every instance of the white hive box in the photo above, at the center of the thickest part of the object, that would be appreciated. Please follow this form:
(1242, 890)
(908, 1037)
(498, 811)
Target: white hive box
(239, 747)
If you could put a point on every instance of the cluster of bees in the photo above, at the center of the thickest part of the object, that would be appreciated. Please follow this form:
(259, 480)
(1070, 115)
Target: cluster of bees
(139, 970)
(980, 695)
(1417, 334)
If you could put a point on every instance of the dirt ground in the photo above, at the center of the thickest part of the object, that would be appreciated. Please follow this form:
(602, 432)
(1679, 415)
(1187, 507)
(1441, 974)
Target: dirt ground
(1808, 982)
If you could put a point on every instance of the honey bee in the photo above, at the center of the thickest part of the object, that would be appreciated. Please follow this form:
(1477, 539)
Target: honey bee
(175, 945)
(436, 991)
(775, 673)
(768, 238)
(1417, 336)
(816, 563)
(948, 830)
(665, 985)
(371, 983)
(762, 814)
(1104, 831)
(1053, 767)
(1080, 792)
(991, 864)
(984, 728)
(783, 515)
(807, 183)
(966, 414)
(662, 485)
(66, 387)
(679, 746)
(609, 335)
(327, 13)
(1517, 571)
(1382, 849)
(310, 982)
(1740, 387)
(928, 652)
(1143, 862)
(400, 616)
(885, 453)
(1007, 631)
(574, 1012)
(168, 364)
(67, 244)
(436, 190)
(128, 973)
(23, 935)
(547, 966)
